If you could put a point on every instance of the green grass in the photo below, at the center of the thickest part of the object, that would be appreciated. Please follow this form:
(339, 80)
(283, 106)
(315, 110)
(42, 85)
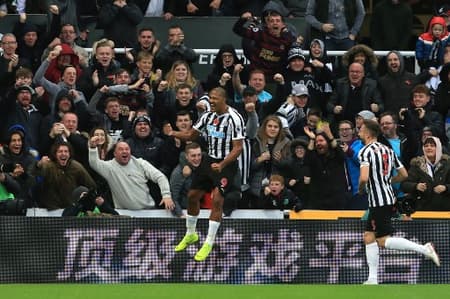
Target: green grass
(214, 291)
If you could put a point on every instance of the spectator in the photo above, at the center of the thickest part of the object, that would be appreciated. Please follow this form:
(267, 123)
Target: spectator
(223, 68)
(269, 149)
(66, 35)
(351, 145)
(430, 45)
(65, 57)
(16, 154)
(30, 42)
(18, 109)
(119, 21)
(420, 114)
(428, 181)
(55, 187)
(129, 185)
(293, 111)
(144, 143)
(320, 63)
(277, 196)
(256, 79)
(298, 72)
(67, 131)
(8, 188)
(147, 42)
(111, 118)
(269, 52)
(67, 82)
(397, 84)
(181, 177)
(363, 55)
(336, 22)
(296, 172)
(354, 93)
(9, 61)
(404, 144)
(329, 189)
(174, 50)
(102, 68)
(391, 25)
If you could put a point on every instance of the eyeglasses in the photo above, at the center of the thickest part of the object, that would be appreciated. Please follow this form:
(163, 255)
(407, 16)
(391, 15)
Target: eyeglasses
(9, 43)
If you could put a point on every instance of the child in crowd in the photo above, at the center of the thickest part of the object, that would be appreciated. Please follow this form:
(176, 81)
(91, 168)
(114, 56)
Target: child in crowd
(277, 196)
(430, 45)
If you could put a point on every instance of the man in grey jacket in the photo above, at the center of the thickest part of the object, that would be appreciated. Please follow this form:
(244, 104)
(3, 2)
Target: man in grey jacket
(127, 177)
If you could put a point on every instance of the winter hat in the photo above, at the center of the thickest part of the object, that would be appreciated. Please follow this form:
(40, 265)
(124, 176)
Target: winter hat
(25, 88)
(142, 118)
(295, 52)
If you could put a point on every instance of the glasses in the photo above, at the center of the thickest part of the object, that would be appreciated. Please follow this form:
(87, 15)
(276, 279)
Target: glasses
(9, 43)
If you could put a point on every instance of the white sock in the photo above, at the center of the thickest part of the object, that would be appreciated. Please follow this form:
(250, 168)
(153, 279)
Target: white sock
(191, 224)
(212, 230)
(403, 244)
(373, 258)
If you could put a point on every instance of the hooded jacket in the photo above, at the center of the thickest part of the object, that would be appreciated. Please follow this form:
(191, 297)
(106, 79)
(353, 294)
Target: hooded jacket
(218, 69)
(54, 71)
(371, 64)
(396, 87)
(419, 173)
(430, 50)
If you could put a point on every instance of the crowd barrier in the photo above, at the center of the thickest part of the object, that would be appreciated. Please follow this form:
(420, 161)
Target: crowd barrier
(247, 251)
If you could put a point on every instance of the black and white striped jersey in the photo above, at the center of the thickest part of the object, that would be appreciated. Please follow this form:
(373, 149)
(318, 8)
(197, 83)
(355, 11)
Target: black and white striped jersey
(381, 161)
(221, 130)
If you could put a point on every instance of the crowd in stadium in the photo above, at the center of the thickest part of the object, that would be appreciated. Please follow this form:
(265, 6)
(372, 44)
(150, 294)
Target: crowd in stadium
(70, 122)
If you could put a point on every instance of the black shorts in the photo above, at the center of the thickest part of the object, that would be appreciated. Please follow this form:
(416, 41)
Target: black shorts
(380, 221)
(204, 178)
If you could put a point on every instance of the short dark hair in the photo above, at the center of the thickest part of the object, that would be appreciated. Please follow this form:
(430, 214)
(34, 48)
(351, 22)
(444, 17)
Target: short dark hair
(192, 145)
(421, 88)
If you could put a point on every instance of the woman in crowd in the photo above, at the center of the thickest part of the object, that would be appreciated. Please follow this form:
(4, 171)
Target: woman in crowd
(269, 149)
(428, 182)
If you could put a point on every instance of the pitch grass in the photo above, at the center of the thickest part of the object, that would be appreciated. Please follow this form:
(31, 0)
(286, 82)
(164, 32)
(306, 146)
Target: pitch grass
(217, 291)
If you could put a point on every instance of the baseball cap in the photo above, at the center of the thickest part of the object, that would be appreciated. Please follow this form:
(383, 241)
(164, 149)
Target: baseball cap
(300, 90)
(249, 91)
(366, 114)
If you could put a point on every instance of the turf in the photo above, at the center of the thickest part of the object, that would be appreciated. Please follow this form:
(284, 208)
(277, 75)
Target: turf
(214, 291)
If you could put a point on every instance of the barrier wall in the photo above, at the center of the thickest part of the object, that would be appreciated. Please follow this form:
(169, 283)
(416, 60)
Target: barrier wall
(103, 250)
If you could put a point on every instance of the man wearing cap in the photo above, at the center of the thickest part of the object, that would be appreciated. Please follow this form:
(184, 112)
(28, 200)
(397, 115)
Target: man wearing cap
(18, 109)
(353, 94)
(298, 72)
(293, 112)
(361, 116)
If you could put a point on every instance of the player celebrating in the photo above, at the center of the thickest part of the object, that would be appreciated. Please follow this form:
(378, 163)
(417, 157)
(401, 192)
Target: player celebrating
(377, 164)
(225, 131)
